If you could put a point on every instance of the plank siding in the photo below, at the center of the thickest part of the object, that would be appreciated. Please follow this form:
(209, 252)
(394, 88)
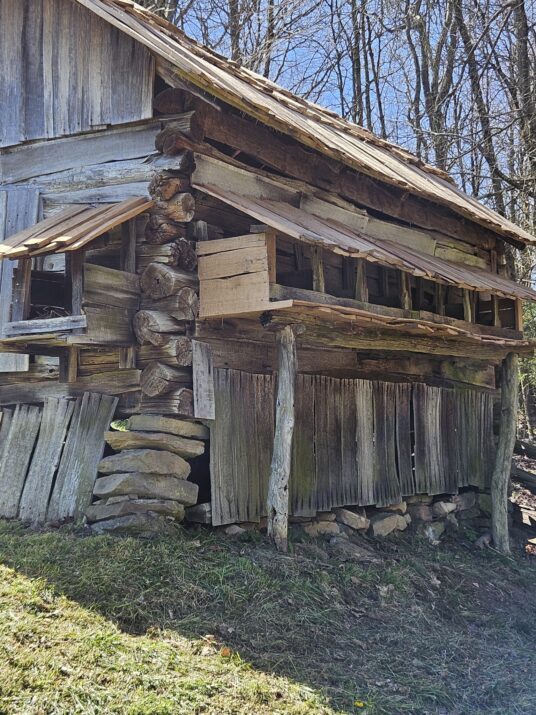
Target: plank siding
(19, 209)
(353, 443)
(69, 71)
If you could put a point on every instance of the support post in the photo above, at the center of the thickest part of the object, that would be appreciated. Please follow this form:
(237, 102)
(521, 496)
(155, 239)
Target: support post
(405, 291)
(503, 458)
(278, 492)
(361, 289)
(319, 281)
(127, 259)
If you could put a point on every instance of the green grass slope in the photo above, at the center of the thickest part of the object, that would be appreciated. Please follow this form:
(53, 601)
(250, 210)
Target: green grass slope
(201, 624)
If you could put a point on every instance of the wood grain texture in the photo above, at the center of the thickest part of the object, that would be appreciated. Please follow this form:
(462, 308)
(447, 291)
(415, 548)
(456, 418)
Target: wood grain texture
(83, 450)
(55, 422)
(69, 72)
(353, 442)
(19, 209)
(16, 454)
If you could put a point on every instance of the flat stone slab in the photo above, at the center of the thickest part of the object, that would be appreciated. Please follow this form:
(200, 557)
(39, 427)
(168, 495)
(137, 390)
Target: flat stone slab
(148, 486)
(150, 461)
(167, 507)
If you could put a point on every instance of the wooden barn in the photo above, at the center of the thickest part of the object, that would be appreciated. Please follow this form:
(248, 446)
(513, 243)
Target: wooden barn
(179, 237)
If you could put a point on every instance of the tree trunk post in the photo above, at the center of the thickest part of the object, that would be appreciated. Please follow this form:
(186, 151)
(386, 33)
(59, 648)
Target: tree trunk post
(503, 458)
(278, 494)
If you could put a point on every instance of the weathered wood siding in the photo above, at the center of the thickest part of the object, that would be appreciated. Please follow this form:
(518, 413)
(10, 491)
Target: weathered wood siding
(355, 442)
(63, 70)
(19, 209)
(49, 456)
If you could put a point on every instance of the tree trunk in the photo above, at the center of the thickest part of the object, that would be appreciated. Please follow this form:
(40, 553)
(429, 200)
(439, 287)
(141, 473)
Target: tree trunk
(503, 459)
(277, 504)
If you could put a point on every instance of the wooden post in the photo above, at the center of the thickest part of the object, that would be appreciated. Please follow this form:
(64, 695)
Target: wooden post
(503, 458)
(468, 306)
(127, 259)
(278, 494)
(361, 289)
(496, 311)
(440, 290)
(319, 281)
(405, 291)
(21, 290)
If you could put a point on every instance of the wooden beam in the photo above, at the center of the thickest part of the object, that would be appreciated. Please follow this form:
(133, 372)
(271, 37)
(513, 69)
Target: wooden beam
(319, 280)
(47, 325)
(405, 292)
(519, 314)
(69, 365)
(203, 380)
(361, 288)
(503, 457)
(127, 260)
(440, 291)
(289, 157)
(282, 293)
(20, 309)
(496, 311)
(120, 143)
(278, 491)
(468, 306)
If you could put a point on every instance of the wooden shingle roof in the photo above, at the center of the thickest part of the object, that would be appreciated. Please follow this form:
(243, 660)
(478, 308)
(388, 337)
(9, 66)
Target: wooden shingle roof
(334, 236)
(71, 229)
(310, 124)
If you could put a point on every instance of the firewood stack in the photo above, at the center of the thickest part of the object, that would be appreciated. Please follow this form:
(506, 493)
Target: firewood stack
(143, 488)
(167, 262)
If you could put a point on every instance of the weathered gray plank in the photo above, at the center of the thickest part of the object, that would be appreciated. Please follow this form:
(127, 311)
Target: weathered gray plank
(55, 421)
(19, 209)
(69, 71)
(49, 157)
(16, 456)
(365, 441)
(82, 453)
(403, 439)
(203, 377)
(302, 483)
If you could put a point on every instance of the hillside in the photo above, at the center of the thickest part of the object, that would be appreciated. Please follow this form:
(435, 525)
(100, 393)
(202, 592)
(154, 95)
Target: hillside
(206, 624)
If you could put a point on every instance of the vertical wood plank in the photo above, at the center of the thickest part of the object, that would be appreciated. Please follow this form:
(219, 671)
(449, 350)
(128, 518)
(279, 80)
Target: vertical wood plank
(317, 260)
(361, 287)
(303, 486)
(405, 292)
(55, 421)
(127, 258)
(203, 381)
(81, 455)
(16, 456)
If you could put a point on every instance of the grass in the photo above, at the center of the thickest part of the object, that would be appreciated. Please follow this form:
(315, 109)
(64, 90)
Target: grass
(203, 624)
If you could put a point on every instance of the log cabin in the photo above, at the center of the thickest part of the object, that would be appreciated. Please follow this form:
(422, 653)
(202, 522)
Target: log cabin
(192, 249)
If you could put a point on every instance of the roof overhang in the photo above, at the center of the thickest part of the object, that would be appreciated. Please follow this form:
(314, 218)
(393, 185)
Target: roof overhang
(72, 229)
(334, 236)
(308, 123)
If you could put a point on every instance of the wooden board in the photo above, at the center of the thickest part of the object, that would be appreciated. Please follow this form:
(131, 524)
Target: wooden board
(15, 459)
(353, 443)
(69, 71)
(55, 422)
(82, 453)
(203, 381)
(19, 209)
